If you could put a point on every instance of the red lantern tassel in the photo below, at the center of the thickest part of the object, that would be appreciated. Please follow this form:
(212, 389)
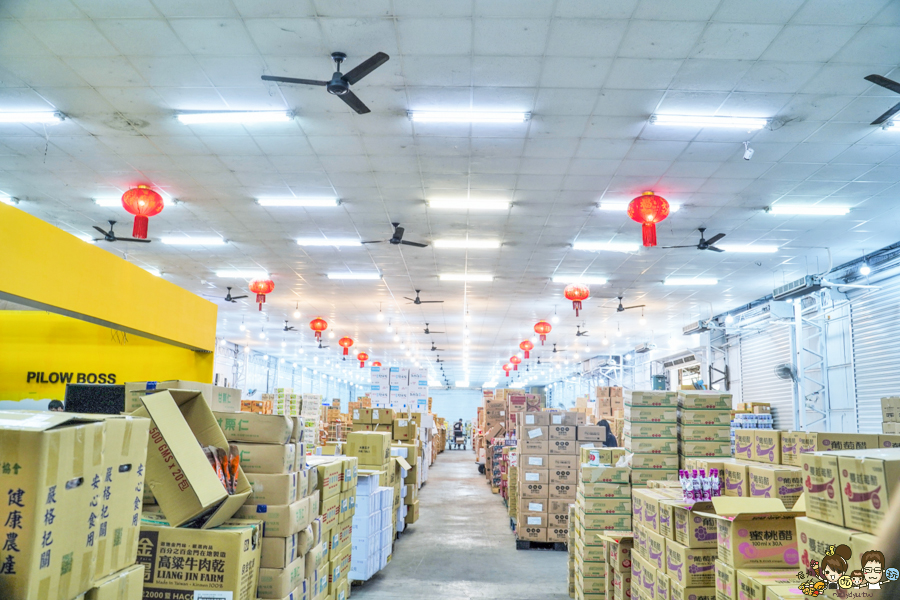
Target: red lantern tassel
(526, 355)
(346, 351)
(649, 234)
(140, 227)
(319, 335)
(543, 338)
(362, 364)
(576, 304)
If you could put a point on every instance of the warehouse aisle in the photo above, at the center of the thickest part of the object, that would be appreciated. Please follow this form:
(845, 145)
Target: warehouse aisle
(462, 546)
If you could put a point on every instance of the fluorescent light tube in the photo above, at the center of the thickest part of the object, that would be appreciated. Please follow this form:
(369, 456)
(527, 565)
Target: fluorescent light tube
(31, 117)
(748, 123)
(623, 206)
(291, 201)
(489, 384)
(466, 244)
(328, 242)
(815, 210)
(241, 274)
(607, 246)
(690, 281)
(748, 248)
(467, 116)
(109, 202)
(468, 204)
(462, 383)
(354, 276)
(238, 117)
(579, 279)
(465, 277)
(193, 241)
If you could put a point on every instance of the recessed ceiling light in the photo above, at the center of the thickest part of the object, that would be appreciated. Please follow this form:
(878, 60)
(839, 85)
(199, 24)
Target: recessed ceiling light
(241, 274)
(607, 246)
(466, 244)
(623, 206)
(293, 202)
(579, 279)
(465, 277)
(31, 117)
(468, 204)
(328, 242)
(865, 269)
(237, 117)
(691, 281)
(748, 123)
(354, 276)
(748, 248)
(816, 210)
(193, 241)
(467, 116)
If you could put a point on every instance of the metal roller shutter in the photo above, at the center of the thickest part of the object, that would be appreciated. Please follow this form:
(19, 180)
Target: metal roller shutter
(760, 353)
(875, 322)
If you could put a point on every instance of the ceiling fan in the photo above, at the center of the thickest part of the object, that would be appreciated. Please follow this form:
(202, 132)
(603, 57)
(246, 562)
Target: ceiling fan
(427, 331)
(435, 348)
(417, 301)
(704, 244)
(397, 238)
(887, 84)
(621, 308)
(110, 236)
(340, 82)
(438, 359)
(228, 297)
(555, 350)
(291, 328)
(321, 347)
(579, 332)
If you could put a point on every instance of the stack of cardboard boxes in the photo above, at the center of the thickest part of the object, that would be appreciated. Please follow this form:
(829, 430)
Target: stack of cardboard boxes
(651, 434)
(610, 405)
(310, 413)
(372, 419)
(704, 425)
(890, 415)
(603, 505)
(373, 528)
(400, 388)
(618, 549)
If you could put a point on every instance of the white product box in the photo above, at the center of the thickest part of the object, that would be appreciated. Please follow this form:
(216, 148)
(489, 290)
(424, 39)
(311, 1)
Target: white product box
(399, 376)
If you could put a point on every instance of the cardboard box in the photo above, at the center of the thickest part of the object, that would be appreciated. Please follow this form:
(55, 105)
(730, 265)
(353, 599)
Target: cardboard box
(650, 399)
(278, 553)
(782, 482)
(564, 476)
(822, 487)
(704, 400)
(604, 490)
(676, 592)
(328, 475)
(219, 398)
(790, 448)
(743, 443)
(656, 550)
(562, 432)
(720, 418)
(563, 447)
(562, 462)
(654, 461)
(705, 449)
(752, 584)
(533, 447)
(236, 541)
(528, 490)
(726, 581)
(692, 529)
(274, 489)
(605, 474)
(269, 459)
(755, 532)
(255, 428)
(601, 522)
(737, 479)
(279, 521)
(528, 460)
(590, 433)
(532, 519)
(691, 567)
(705, 433)
(785, 592)
(600, 456)
(280, 583)
(868, 480)
(404, 430)
(648, 414)
(557, 533)
(127, 584)
(538, 419)
(531, 534)
(370, 448)
(766, 446)
(651, 445)
(534, 475)
(570, 419)
(562, 490)
(533, 432)
(179, 476)
(651, 430)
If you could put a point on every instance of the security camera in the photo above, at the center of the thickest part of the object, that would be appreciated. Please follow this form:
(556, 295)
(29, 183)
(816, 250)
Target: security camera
(748, 151)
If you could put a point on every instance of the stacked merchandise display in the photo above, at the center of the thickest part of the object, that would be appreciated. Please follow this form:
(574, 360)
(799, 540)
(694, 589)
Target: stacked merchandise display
(511, 455)
(651, 434)
(704, 425)
(602, 505)
(373, 528)
(618, 550)
(403, 389)
(310, 413)
(750, 415)
(610, 406)
(890, 415)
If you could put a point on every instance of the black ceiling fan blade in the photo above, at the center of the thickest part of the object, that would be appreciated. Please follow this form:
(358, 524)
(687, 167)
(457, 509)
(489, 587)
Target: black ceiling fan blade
(416, 244)
(691, 246)
(118, 239)
(715, 249)
(884, 82)
(237, 297)
(430, 301)
(636, 306)
(355, 103)
(373, 242)
(398, 233)
(294, 80)
(886, 116)
(410, 299)
(365, 67)
(105, 233)
(715, 238)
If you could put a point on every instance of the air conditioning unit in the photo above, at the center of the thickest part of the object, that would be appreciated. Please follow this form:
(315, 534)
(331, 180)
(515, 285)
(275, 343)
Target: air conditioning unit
(795, 289)
(696, 327)
(681, 361)
(644, 348)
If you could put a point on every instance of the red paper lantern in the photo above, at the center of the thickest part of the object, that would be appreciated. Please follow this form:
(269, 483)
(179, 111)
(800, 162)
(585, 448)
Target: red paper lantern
(648, 209)
(261, 287)
(376, 364)
(143, 203)
(576, 292)
(516, 361)
(526, 347)
(542, 328)
(362, 357)
(507, 368)
(345, 343)
(318, 325)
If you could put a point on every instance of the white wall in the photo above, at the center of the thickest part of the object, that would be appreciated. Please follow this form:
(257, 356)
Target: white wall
(455, 404)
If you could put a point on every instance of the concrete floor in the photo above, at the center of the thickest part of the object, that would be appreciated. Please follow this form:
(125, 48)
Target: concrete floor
(462, 546)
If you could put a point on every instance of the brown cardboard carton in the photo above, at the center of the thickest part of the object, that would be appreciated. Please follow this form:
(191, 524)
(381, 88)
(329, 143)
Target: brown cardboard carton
(868, 480)
(404, 430)
(279, 521)
(752, 583)
(600, 456)
(705, 449)
(705, 433)
(566, 476)
(790, 448)
(540, 446)
(721, 418)
(267, 458)
(557, 533)
(590, 433)
(651, 430)
(563, 447)
(604, 490)
(127, 584)
(540, 461)
(535, 419)
(532, 519)
(570, 419)
(531, 534)
(650, 399)
(255, 428)
(743, 443)
(737, 479)
(652, 445)
(236, 541)
(698, 593)
(219, 398)
(535, 433)
(529, 490)
(40, 508)
(563, 461)
(562, 432)
(278, 553)
(179, 475)
(562, 490)
(605, 474)
(274, 489)
(815, 537)
(370, 448)
(382, 416)
(328, 475)
(691, 528)
(704, 400)
(642, 477)
(782, 482)
(726, 581)
(785, 592)
(766, 446)
(654, 461)
(649, 414)
(691, 567)
(755, 532)
(598, 522)
(280, 583)
(608, 506)
(656, 550)
(533, 475)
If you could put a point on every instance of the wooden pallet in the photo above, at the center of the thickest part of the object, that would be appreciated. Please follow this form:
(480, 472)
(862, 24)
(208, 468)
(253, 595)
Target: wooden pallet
(526, 545)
